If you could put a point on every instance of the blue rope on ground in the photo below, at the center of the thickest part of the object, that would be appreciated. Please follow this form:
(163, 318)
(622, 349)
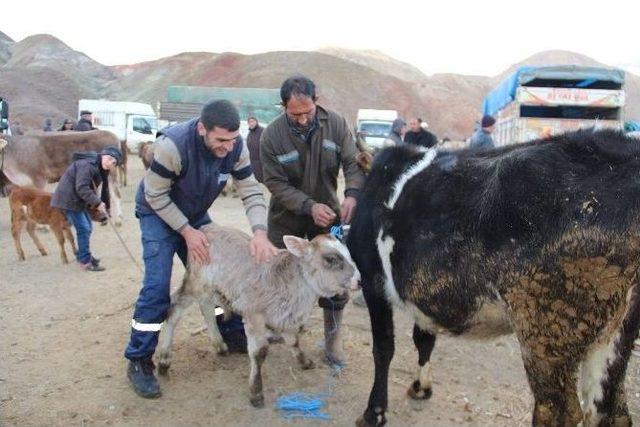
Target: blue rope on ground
(308, 405)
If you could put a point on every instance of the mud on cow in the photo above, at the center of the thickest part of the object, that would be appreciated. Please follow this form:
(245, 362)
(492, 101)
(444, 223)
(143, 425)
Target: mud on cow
(540, 238)
(41, 158)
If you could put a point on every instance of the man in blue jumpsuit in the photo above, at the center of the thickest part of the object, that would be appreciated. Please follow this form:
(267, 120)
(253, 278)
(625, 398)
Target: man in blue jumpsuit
(191, 165)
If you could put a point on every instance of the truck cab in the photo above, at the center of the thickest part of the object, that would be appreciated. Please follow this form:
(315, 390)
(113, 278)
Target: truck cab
(374, 126)
(134, 123)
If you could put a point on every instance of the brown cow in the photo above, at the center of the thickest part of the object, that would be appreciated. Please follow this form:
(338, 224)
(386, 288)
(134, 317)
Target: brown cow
(145, 152)
(41, 158)
(33, 206)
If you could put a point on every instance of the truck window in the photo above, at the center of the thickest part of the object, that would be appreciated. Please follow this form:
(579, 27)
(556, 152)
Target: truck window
(141, 125)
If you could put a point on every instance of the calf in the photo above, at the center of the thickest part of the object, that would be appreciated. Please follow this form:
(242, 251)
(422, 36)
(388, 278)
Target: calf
(33, 206)
(541, 238)
(277, 296)
(145, 152)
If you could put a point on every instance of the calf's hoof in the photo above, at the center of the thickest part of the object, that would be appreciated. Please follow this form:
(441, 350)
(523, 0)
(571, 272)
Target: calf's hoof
(163, 368)
(257, 401)
(418, 393)
(307, 364)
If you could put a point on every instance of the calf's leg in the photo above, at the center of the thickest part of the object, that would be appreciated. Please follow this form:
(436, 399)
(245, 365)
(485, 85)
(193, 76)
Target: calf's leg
(258, 346)
(293, 339)
(208, 307)
(424, 341)
(16, 231)
(31, 229)
(180, 301)
(58, 233)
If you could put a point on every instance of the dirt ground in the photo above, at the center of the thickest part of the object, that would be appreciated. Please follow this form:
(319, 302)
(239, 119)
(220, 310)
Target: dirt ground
(63, 332)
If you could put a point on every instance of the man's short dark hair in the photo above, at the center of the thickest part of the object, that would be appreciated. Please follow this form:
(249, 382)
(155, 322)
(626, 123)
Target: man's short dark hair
(298, 86)
(220, 113)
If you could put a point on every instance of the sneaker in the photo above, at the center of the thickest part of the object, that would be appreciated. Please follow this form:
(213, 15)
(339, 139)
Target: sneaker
(636, 348)
(90, 266)
(94, 261)
(142, 379)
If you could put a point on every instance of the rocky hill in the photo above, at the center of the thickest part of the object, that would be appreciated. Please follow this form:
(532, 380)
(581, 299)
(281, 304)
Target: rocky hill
(43, 77)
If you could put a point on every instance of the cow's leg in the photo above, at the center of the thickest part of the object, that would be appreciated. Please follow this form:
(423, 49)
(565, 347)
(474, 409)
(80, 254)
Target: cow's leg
(424, 341)
(31, 229)
(292, 338)
(258, 346)
(602, 381)
(554, 390)
(381, 316)
(16, 231)
(58, 233)
(208, 308)
(180, 301)
(116, 205)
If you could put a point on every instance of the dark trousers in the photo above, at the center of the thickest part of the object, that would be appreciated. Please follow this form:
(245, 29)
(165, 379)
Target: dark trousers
(159, 244)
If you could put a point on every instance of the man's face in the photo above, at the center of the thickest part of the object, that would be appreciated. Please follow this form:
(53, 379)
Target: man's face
(490, 128)
(414, 125)
(301, 110)
(108, 162)
(87, 117)
(252, 123)
(219, 141)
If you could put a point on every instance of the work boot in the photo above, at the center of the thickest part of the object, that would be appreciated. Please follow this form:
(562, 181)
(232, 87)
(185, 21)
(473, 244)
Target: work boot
(143, 381)
(333, 337)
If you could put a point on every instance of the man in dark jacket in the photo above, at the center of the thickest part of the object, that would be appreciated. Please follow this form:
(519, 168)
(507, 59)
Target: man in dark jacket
(417, 135)
(398, 130)
(77, 190)
(253, 143)
(301, 153)
(482, 139)
(86, 121)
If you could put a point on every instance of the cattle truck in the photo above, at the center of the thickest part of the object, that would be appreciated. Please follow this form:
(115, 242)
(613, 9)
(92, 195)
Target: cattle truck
(134, 123)
(4, 116)
(534, 102)
(375, 126)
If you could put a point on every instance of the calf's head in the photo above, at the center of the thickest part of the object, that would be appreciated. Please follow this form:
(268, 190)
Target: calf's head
(326, 262)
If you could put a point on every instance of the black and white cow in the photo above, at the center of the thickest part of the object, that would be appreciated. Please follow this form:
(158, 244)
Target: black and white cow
(540, 238)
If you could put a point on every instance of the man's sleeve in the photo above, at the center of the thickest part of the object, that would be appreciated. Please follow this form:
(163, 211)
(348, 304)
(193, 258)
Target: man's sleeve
(278, 183)
(84, 185)
(250, 192)
(353, 176)
(164, 169)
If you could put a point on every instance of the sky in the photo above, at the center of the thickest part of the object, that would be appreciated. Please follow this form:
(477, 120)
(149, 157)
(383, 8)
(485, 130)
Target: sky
(481, 37)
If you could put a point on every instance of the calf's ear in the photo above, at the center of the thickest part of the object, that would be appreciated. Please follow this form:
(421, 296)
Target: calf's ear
(297, 246)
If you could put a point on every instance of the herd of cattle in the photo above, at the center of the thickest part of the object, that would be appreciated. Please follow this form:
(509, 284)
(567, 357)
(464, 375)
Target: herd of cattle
(539, 239)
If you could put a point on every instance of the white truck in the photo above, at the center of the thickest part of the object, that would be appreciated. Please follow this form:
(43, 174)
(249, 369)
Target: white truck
(134, 123)
(374, 126)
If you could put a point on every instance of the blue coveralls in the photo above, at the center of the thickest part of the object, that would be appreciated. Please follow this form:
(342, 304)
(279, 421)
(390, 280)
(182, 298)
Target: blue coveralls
(201, 179)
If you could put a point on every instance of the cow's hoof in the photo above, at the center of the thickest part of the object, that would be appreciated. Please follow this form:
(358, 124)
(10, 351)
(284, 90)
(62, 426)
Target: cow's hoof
(257, 401)
(163, 368)
(418, 393)
(379, 421)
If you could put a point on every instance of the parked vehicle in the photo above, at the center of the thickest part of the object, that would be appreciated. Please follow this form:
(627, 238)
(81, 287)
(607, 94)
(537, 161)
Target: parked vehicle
(539, 101)
(374, 126)
(134, 123)
(4, 116)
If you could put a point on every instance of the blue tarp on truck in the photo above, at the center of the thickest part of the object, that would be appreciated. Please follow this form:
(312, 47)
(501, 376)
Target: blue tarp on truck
(576, 76)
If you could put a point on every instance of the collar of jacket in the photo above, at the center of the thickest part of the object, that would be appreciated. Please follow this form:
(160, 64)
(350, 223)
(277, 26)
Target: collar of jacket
(321, 114)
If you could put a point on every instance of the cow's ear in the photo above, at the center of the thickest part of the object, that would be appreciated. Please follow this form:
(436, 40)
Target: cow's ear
(297, 246)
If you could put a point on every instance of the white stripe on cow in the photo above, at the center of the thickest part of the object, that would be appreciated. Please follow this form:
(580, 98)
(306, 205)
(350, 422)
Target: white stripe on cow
(145, 327)
(427, 158)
